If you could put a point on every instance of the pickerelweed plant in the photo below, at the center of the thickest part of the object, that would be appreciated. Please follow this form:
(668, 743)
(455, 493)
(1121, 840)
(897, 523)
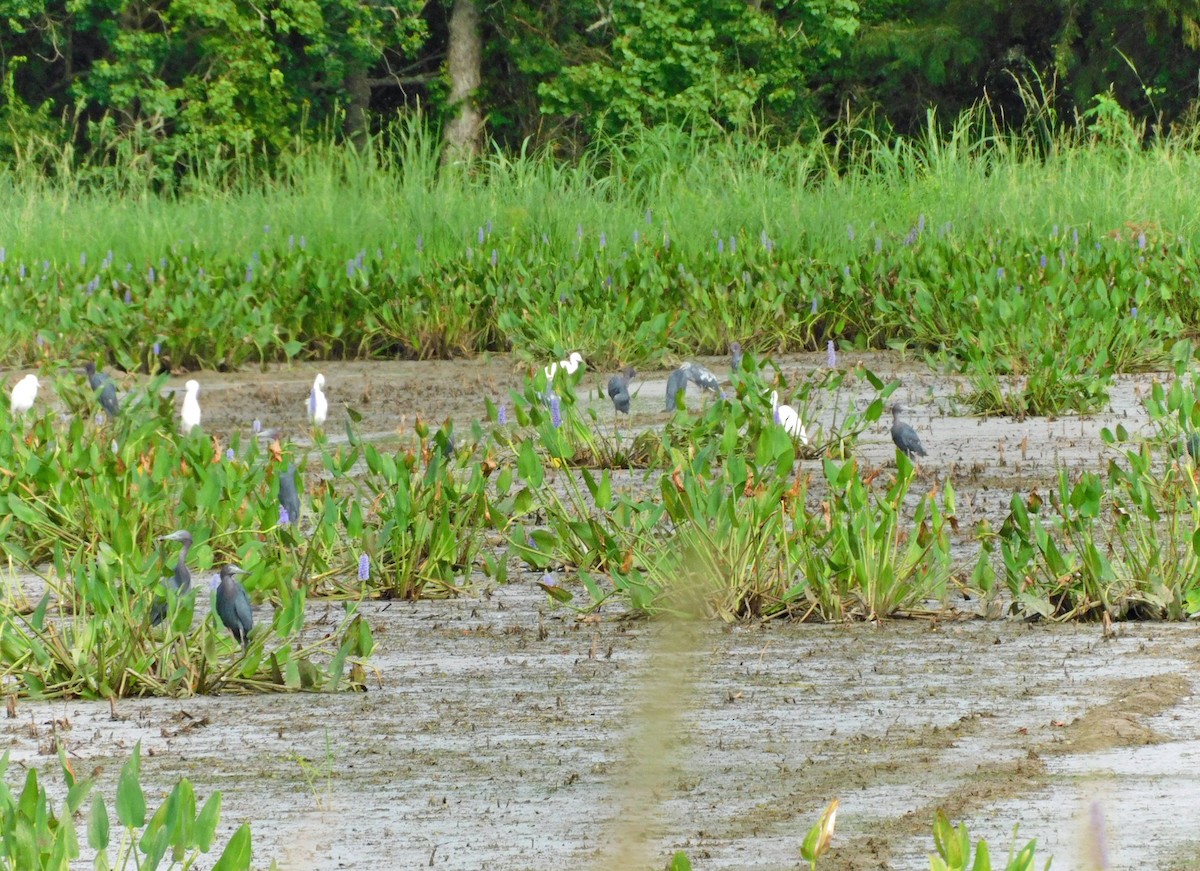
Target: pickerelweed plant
(1123, 545)
(34, 836)
(420, 512)
(91, 636)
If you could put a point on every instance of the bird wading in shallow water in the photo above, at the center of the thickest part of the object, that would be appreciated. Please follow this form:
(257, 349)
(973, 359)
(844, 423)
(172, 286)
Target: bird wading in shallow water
(904, 436)
(233, 604)
(23, 394)
(181, 578)
(618, 389)
(788, 418)
(318, 406)
(103, 388)
(190, 413)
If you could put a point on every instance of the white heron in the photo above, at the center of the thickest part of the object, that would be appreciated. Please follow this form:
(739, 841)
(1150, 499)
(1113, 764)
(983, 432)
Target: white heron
(318, 406)
(190, 414)
(24, 394)
(569, 365)
(788, 418)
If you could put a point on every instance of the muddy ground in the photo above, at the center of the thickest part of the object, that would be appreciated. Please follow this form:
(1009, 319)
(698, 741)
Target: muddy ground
(504, 733)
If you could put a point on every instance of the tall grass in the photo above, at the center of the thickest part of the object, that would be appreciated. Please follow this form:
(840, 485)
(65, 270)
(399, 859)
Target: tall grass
(805, 195)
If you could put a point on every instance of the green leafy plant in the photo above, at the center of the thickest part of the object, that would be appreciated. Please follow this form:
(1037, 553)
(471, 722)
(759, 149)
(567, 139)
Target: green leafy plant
(34, 836)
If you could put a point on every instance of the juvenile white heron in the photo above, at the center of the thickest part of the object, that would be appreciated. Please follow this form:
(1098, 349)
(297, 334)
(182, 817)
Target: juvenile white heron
(24, 393)
(190, 413)
(318, 407)
(569, 365)
(788, 418)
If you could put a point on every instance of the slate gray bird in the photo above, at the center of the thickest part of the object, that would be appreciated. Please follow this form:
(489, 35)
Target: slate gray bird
(181, 578)
(103, 385)
(735, 357)
(233, 604)
(904, 436)
(289, 496)
(618, 389)
(1193, 445)
(676, 384)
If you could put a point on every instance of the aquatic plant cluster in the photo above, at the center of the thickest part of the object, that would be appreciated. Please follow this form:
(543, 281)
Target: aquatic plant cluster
(1090, 305)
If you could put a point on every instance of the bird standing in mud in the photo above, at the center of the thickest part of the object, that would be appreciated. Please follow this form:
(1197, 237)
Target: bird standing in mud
(904, 436)
(618, 389)
(318, 406)
(24, 394)
(190, 413)
(233, 604)
(574, 361)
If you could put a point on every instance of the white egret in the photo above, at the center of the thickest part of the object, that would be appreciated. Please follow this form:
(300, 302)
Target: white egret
(569, 365)
(788, 418)
(190, 414)
(24, 394)
(318, 406)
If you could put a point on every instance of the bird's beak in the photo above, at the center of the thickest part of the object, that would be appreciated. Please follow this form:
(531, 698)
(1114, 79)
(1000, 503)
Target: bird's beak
(239, 571)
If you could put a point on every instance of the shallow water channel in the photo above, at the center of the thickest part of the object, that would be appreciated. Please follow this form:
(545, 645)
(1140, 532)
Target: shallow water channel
(502, 732)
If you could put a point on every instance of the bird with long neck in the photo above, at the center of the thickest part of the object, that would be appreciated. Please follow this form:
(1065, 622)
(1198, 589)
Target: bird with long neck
(233, 604)
(181, 577)
(189, 415)
(904, 436)
(618, 389)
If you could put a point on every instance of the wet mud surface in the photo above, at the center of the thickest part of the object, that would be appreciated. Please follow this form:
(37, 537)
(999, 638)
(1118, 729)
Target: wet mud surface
(502, 732)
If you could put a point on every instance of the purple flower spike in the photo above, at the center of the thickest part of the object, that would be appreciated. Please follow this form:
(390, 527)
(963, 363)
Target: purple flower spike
(128, 297)
(720, 246)
(150, 274)
(249, 274)
(813, 308)
(1042, 261)
(229, 453)
(157, 349)
(603, 239)
(364, 568)
(579, 231)
(420, 243)
(291, 241)
(777, 420)
(850, 231)
(479, 236)
(733, 245)
(921, 223)
(256, 426)
(303, 242)
(878, 244)
(83, 258)
(649, 217)
(495, 258)
(831, 355)
(636, 237)
(284, 520)
(1133, 313)
(502, 415)
(1000, 272)
(488, 226)
(555, 411)
(3, 254)
(1142, 241)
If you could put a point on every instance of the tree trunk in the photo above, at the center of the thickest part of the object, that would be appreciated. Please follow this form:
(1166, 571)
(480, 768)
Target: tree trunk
(359, 90)
(465, 129)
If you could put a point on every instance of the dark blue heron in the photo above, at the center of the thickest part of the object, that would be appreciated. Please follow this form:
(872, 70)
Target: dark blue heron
(904, 436)
(676, 384)
(180, 580)
(618, 389)
(289, 496)
(103, 385)
(233, 604)
(735, 357)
